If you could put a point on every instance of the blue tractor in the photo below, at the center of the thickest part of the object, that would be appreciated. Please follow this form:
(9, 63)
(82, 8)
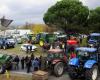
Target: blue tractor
(94, 40)
(86, 64)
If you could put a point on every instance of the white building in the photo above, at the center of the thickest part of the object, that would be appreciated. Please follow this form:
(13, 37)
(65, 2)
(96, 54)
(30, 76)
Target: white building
(15, 32)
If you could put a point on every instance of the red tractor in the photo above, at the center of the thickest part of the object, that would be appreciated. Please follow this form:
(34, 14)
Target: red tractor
(56, 60)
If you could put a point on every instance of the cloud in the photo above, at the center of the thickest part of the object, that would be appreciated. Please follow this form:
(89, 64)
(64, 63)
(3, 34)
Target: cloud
(22, 11)
(91, 3)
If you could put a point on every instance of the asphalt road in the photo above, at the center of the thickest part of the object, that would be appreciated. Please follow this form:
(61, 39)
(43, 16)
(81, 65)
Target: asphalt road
(51, 77)
(65, 76)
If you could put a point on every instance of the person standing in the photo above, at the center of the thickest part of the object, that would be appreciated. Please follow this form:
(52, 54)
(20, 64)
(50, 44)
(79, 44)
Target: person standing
(16, 60)
(35, 64)
(40, 61)
(32, 56)
(22, 62)
(28, 64)
(26, 59)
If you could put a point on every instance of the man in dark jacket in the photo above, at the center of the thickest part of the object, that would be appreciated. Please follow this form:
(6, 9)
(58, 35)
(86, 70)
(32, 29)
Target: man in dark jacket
(28, 65)
(16, 60)
(22, 62)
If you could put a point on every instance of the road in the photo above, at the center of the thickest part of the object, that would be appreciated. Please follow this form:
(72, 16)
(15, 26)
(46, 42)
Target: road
(51, 77)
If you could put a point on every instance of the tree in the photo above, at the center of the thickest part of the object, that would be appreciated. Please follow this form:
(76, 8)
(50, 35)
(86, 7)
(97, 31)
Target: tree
(94, 20)
(66, 14)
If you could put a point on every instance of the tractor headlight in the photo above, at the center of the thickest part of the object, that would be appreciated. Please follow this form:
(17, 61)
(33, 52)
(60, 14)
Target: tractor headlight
(70, 63)
(91, 45)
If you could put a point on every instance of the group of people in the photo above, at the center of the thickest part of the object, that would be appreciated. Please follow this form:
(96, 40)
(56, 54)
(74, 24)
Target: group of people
(30, 63)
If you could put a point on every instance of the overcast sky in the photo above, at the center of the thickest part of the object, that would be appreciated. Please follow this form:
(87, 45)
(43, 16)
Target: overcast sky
(32, 11)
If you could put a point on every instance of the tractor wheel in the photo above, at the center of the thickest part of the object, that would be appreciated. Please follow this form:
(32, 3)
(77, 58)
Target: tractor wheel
(13, 46)
(92, 74)
(72, 72)
(2, 71)
(41, 43)
(4, 47)
(58, 69)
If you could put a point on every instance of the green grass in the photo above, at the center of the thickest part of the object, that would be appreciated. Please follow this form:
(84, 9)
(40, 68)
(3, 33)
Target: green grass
(17, 50)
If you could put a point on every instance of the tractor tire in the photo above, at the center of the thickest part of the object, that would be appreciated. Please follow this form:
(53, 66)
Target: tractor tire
(13, 46)
(92, 74)
(4, 47)
(58, 69)
(2, 71)
(72, 72)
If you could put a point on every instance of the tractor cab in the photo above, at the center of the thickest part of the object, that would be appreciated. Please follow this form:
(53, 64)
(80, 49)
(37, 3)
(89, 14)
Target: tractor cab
(55, 54)
(85, 54)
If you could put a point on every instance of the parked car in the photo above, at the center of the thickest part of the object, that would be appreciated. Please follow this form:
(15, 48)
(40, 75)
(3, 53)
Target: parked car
(5, 62)
(86, 64)
(11, 40)
(31, 47)
(7, 43)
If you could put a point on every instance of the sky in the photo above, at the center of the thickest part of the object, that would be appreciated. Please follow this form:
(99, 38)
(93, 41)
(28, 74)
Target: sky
(32, 11)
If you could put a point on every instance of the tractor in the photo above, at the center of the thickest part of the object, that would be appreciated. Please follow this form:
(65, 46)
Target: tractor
(32, 38)
(46, 40)
(5, 63)
(94, 40)
(56, 61)
(85, 64)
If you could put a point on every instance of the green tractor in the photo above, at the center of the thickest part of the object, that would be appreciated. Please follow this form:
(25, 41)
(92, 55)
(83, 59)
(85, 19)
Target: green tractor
(5, 63)
(47, 39)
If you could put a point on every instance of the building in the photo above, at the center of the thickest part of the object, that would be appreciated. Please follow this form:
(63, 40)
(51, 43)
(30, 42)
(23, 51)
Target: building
(15, 32)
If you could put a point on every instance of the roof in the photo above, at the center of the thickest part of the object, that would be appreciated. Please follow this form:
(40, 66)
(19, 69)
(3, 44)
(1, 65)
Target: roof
(87, 49)
(72, 42)
(26, 44)
(55, 50)
(95, 34)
